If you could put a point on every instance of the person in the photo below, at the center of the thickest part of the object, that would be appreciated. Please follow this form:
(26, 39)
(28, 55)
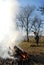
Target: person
(37, 38)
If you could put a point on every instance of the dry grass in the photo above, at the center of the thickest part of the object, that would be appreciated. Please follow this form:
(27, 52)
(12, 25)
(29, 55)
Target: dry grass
(30, 47)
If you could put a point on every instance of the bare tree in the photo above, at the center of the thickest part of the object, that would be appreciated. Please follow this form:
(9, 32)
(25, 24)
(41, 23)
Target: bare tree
(23, 20)
(37, 25)
(37, 28)
(41, 9)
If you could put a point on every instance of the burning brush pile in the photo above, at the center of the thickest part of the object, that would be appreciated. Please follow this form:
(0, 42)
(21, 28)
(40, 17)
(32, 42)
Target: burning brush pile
(7, 61)
(20, 58)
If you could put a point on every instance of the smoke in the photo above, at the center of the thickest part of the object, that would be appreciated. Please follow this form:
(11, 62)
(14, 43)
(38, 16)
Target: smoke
(8, 33)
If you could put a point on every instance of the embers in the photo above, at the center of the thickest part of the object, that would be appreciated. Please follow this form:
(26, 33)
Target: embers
(24, 56)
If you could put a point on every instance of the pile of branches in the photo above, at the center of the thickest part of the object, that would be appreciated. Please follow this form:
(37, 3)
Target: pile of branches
(7, 61)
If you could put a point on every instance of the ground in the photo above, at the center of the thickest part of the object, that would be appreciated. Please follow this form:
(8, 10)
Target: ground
(31, 48)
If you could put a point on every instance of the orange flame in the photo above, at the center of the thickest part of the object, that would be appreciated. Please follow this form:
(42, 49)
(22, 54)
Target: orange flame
(24, 56)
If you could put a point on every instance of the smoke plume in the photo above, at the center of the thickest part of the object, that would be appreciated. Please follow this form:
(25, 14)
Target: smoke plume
(8, 33)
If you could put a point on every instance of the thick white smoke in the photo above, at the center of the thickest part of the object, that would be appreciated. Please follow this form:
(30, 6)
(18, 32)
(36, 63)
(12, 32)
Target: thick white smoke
(8, 33)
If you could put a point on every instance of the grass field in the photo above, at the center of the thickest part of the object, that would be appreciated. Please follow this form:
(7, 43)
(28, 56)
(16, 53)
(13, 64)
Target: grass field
(31, 48)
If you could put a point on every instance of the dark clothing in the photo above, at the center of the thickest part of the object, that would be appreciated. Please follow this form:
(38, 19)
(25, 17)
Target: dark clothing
(37, 39)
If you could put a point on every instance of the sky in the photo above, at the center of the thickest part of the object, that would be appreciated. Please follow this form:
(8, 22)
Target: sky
(36, 3)
(31, 2)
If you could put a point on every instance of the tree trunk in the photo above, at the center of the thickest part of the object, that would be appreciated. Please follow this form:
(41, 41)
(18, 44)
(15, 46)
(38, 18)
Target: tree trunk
(27, 31)
(27, 37)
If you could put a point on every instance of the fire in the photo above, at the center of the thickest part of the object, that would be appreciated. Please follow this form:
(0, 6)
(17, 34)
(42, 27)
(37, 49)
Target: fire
(24, 56)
